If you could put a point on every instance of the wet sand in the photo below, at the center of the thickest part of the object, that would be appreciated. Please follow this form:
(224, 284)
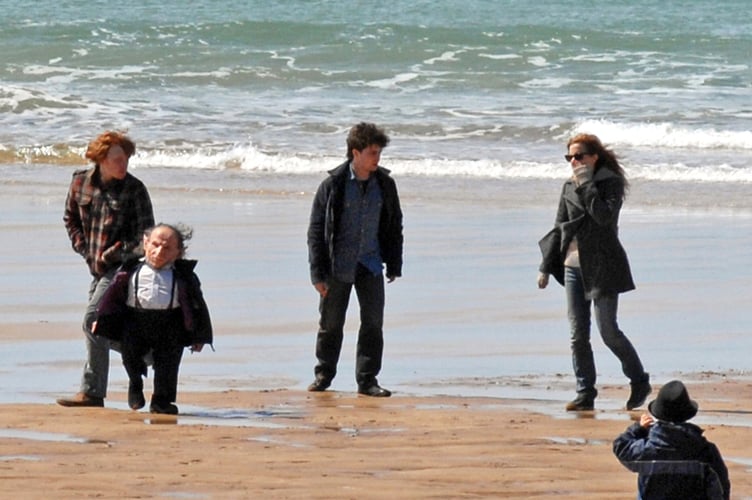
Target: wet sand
(294, 444)
(477, 357)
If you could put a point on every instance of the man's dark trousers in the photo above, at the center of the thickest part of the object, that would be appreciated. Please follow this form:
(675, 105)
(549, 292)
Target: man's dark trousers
(369, 289)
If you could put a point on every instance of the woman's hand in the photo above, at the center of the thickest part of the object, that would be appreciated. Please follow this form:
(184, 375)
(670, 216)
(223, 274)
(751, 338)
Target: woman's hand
(542, 280)
(582, 174)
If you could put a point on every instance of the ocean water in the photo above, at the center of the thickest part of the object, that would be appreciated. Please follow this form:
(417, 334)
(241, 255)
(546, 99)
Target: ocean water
(479, 97)
(466, 89)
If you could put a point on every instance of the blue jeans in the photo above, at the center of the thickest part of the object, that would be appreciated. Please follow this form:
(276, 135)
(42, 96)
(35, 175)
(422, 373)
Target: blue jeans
(605, 307)
(97, 367)
(369, 288)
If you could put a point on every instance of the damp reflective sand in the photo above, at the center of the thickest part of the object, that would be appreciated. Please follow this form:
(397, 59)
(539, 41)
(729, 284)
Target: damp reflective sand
(40, 436)
(477, 357)
(285, 437)
(26, 378)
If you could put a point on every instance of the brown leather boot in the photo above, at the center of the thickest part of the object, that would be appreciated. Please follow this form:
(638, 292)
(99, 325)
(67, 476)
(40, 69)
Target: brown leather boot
(81, 399)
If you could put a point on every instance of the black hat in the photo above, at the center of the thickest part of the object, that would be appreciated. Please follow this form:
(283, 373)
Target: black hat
(673, 403)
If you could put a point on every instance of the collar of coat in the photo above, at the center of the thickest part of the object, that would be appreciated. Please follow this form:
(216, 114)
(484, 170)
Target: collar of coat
(602, 174)
(181, 265)
(345, 168)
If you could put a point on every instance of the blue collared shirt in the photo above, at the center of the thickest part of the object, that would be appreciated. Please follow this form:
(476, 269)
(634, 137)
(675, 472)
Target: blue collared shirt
(357, 240)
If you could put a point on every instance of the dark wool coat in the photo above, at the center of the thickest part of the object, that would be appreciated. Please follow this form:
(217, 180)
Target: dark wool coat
(113, 313)
(590, 213)
(325, 217)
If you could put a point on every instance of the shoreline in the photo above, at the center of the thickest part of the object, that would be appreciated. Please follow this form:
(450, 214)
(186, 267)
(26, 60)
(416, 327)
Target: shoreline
(666, 197)
(261, 360)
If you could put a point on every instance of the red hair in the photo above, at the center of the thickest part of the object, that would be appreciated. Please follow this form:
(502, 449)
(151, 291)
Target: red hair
(99, 147)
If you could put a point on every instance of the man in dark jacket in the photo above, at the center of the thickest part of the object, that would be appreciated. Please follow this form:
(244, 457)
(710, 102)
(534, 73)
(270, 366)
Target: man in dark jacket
(671, 456)
(355, 228)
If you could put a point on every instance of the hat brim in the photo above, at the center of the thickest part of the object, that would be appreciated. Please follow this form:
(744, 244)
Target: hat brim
(682, 415)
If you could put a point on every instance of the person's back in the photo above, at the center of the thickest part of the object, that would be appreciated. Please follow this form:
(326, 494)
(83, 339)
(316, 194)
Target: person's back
(679, 479)
(671, 456)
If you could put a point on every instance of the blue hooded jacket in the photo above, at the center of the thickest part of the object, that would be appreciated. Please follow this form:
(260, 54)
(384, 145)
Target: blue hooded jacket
(674, 461)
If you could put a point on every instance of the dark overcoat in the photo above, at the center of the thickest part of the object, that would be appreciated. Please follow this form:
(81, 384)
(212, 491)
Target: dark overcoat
(590, 213)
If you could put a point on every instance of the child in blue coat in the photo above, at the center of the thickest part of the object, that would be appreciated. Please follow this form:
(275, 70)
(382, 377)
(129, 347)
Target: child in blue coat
(671, 456)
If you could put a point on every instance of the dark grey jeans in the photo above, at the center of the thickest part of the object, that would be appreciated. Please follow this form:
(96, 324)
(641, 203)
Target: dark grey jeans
(97, 367)
(369, 289)
(605, 308)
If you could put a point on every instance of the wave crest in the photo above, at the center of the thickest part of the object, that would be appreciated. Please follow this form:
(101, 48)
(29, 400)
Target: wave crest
(248, 158)
(666, 135)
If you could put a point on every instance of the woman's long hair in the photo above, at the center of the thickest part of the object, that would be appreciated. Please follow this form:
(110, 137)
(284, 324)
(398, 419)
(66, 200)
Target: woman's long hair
(606, 157)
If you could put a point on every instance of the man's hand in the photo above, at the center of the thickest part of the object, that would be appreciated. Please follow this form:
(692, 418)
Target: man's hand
(112, 254)
(321, 288)
(109, 257)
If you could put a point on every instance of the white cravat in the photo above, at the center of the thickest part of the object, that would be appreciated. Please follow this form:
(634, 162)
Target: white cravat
(157, 288)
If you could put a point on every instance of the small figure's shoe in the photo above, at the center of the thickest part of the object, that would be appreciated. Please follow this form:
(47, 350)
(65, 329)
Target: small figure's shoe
(319, 385)
(639, 394)
(81, 400)
(374, 391)
(165, 409)
(585, 401)
(136, 399)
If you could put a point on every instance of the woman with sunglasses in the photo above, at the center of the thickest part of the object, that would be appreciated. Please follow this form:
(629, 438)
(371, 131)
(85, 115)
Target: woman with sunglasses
(584, 254)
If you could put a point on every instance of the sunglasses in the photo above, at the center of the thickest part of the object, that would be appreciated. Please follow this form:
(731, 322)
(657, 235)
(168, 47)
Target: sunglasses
(576, 156)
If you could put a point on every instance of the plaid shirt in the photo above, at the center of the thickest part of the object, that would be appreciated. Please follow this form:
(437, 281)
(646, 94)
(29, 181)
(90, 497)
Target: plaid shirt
(98, 216)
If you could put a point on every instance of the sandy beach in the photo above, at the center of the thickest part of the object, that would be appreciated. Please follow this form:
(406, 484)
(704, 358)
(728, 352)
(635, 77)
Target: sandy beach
(293, 444)
(477, 357)
(238, 109)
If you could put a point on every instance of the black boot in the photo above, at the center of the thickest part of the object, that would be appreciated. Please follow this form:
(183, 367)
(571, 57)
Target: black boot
(585, 401)
(136, 399)
(638, 395)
